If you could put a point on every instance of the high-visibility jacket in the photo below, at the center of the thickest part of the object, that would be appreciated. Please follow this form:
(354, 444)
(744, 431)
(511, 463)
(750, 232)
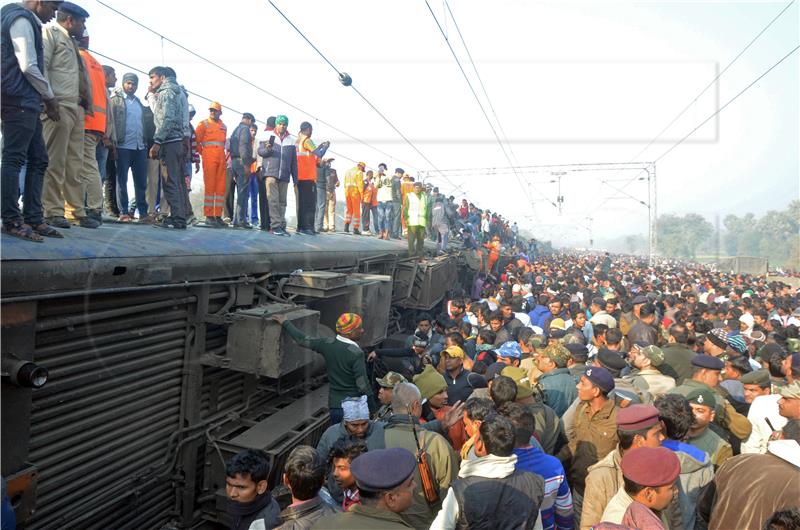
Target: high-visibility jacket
(416, 209)
(306, 158)
(98, 120)
(211, 134)
(354, 181)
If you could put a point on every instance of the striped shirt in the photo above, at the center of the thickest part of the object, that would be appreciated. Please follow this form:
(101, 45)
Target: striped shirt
(556, 506)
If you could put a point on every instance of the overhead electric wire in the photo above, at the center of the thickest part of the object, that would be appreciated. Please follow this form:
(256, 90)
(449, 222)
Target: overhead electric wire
(363, 97)
(480, 81)
(483, 110)
(703, 91)
(130, 67)
(250, 83)
(734, 98)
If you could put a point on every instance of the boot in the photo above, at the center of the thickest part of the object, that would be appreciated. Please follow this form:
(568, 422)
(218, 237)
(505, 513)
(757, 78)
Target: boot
(96, 215)
(356, 232)
(347, 228)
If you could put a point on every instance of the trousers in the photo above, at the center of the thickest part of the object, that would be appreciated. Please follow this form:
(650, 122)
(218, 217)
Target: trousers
(92, 182)
(319, 211)
(416, 240)
(136, 161)
(154, 194)
(385, 216)
(353, 213)
(252, 190)
(330, 211)
(172, 182)
(276, 198)
(263, 205)
(63, 187)
(214, 180)
(397, 212)
(23, 143)
(306, 204)
(242, 178)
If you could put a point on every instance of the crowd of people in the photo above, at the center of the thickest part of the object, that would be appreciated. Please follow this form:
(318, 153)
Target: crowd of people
(570, 391)
(73, 138)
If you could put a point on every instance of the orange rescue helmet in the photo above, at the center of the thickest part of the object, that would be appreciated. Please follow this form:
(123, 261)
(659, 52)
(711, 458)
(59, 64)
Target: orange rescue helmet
(215, 106)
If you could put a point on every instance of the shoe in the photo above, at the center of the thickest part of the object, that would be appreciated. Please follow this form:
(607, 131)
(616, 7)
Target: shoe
(211, 222)
(347, 228)
(222, 223)
(245, 225)
(356, 232)
(191, 220)
(280, 232)
(58, 222)
(227, 220)
(97, 215)
(87, 222)
(147, 219)
(170, 223)
(367, 233)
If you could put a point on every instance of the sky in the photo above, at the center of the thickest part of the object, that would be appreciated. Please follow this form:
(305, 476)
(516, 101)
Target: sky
(569, 82)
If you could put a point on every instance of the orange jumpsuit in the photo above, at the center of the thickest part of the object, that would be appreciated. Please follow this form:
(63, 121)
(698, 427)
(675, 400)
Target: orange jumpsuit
(406, 187)
(494, 254)
(353, 190)
(211, 137)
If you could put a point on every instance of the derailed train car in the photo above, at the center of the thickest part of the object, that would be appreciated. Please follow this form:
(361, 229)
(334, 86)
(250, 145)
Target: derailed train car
(136, 361)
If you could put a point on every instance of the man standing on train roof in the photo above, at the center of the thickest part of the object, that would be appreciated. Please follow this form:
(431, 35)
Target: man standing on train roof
(415, 213)
(347, 369)
(211, 134)
(24, 89)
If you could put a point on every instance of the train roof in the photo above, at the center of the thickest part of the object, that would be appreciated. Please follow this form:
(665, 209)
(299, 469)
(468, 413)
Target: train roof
(120, 255)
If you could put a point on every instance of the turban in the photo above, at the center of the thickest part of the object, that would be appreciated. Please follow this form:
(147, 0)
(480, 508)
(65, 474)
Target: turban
(348, 323)
(282, 119)
(355, 409)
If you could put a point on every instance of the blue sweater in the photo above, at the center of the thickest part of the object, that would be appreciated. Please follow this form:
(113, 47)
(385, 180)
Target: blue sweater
(556, 506)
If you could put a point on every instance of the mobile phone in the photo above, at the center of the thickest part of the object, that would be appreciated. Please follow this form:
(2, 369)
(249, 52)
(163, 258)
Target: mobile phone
(272, 140)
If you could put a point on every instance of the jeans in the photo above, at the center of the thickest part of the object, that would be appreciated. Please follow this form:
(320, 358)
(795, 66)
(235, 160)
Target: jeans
(172, 182)
(385, 216)
(242, 178)
(263, 208)
(101, 154)
(397, 211)
(319, 213)
(136, 161)
(443, 234)
(22, 142)
(252, 189)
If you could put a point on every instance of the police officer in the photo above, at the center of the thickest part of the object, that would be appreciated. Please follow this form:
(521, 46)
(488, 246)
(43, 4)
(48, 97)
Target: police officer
(385, 480)
(386, 386)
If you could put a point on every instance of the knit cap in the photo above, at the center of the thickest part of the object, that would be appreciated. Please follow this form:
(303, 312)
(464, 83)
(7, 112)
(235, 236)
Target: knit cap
(430, 382)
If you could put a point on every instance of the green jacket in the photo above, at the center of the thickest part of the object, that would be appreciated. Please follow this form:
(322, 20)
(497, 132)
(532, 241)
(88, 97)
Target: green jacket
(424, 209)
(442, 460)
(347, 369)
(362, 517)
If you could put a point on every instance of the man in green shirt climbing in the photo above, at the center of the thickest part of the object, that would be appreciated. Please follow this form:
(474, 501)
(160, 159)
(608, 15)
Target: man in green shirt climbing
(344, 359)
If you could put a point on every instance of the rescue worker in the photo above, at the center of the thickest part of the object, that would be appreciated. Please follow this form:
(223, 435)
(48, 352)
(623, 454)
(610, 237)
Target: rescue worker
(62, 193)
(415, 214)
(308, 159)
(494, 253)
(95, 126)
(211, 134)
(353, 191)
